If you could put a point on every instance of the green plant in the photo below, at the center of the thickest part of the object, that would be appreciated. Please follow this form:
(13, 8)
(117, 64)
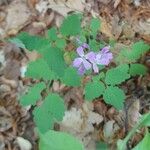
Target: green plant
(55, 63)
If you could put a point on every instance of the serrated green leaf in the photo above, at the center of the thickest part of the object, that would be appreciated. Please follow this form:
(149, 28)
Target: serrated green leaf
(54, 140)
(71, 25)
(114, 96)
(136, 51)
(144, 144)
(54, 58)
(95, 24)
(39, 69)
(61, 43)
(137, 69)
(52, 34)
(17, 42)
(32, 42)
(117, 75)
(71, 77)
(33, 94)
(93, 90)
(49, 112)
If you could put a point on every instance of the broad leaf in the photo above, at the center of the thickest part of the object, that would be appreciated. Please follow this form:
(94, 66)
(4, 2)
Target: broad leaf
(136, 51)
(71, 77)
(52, 34)
(114, 96)
(33, 94)
(49, 112)
(117, 75)
(94, 90)
(54, 58)
(39, 69)
(95, 26)
(32, 42)
(137, 69)
(54, 140)
(71, 25)
(60, 43)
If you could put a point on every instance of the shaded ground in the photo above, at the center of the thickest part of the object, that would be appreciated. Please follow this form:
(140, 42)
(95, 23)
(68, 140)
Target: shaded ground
(122, 20)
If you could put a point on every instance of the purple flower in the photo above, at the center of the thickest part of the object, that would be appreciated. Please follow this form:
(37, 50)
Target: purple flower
(91, 59)
(81, 62)
(104, 56)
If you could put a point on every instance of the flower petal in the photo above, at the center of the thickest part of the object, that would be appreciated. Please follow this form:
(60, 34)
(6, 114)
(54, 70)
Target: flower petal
(91, 57)
(86, 64)
(85, 45)
(81, 70)
(95, 68)
(105, 49)
(77, 62)
(80, 51)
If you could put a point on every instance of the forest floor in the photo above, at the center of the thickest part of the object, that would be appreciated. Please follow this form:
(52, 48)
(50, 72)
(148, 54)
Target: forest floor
(124, 21)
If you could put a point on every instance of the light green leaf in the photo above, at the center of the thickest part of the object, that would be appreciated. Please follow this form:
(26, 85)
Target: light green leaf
(61, 43)
(95, 24)
(137, 69)
(32, 42)
(117, 75)
(71, 25)
(49, 112)
(54, 140)
(17, 42)
(144, 144)
(93, 90)
(52, 34)
(114, 96)
(33, 94)
(39, 69)
(71, 77)
(136, 51)
(54, 58)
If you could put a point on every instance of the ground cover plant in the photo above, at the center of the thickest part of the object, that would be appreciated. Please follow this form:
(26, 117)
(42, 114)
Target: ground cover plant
(89, 57)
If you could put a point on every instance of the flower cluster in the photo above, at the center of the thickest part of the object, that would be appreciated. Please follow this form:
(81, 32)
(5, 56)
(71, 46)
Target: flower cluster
(91, 60)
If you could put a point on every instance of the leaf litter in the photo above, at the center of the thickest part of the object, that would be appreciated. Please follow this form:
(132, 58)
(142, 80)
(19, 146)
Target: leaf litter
(89, 123)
